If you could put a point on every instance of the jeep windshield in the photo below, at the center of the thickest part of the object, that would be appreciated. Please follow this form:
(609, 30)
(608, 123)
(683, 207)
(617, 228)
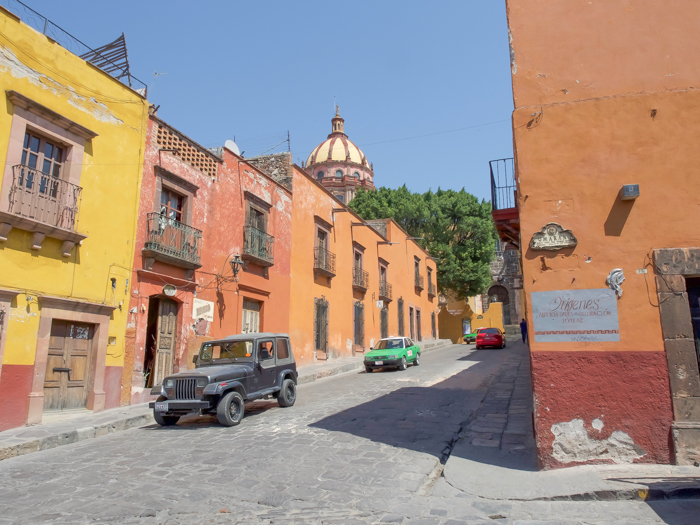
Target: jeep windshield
(389, 344)
(223, 352)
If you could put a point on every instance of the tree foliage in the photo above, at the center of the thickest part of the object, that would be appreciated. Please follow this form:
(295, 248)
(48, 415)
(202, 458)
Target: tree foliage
(457, 228)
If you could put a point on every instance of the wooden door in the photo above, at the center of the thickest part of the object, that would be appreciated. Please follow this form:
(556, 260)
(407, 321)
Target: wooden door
(68, 369)
(165, 344)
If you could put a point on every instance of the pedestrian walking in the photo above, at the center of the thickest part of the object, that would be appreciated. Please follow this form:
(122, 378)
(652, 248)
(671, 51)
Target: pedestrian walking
(523, 330)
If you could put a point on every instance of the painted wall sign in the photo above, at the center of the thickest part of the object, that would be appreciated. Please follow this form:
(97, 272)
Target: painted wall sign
(552, 237)
(203, 310)
(575, 315)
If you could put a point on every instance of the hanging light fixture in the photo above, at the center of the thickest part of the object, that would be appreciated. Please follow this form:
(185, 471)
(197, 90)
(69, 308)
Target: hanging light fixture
(236, 264)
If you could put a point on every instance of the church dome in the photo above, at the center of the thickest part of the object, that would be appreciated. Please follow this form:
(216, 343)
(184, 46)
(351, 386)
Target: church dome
(337, 147)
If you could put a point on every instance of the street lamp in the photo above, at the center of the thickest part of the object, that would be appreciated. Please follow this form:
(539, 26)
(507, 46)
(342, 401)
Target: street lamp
(236, 264)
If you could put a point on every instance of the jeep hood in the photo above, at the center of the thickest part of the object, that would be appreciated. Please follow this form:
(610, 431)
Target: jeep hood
(216, 373)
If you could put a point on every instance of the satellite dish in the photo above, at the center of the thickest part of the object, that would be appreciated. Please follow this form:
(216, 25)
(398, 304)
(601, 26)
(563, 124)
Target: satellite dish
(231, 146)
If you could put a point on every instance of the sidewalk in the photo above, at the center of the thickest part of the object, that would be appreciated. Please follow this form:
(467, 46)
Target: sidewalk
(74, 426)
(495, 455)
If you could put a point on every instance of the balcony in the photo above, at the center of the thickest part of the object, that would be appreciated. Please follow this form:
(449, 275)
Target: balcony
(432, 289)
(43, 204)
(360, 279)
(384, 291)
(324, 262)
(504, 201)
(258, 247)
(419, 281)
(172, 242)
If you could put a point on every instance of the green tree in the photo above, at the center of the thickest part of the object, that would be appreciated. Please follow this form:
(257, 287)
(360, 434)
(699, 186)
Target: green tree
(456, 227)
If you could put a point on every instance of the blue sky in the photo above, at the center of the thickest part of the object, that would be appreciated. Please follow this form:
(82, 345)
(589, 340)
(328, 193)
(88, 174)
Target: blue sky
(257, 69)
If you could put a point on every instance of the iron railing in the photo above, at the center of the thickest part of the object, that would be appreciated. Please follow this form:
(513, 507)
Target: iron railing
(258, 244)
(432, 289)
(173, 238)
(44, 198)
(360, 277)
(419, 281)
(324, 260)
(385, 290)
(502, 184)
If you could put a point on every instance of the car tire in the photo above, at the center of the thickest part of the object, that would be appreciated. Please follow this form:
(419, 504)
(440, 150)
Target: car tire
(478, 347)
(504, 344)
(368, 369)
(230, 409)
(417, 360)
(165, 421)
(403, 365)
(288, 394)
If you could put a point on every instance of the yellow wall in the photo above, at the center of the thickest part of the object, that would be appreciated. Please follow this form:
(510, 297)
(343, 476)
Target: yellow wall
(452, 315)
(45, 72)
(311, 201)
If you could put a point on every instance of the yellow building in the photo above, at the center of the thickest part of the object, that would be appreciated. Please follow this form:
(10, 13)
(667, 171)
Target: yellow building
(459, 317)
(72, 143)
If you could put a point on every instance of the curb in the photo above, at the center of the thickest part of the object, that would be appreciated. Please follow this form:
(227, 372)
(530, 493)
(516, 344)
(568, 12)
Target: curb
(90, 432)
(627, 495)
(73, 436)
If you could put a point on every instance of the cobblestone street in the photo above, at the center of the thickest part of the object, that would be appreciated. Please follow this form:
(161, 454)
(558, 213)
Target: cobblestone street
(357, 448)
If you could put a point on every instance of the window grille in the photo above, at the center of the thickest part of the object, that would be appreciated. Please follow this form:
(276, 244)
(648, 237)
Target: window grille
(321, 324)
(384, 322)
(401, 318)
(359, 323)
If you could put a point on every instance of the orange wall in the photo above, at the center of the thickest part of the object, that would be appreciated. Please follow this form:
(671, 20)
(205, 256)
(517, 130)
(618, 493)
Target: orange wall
(312, 200)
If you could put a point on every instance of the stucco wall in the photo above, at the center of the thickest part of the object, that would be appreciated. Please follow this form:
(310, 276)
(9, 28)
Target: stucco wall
(46, 73)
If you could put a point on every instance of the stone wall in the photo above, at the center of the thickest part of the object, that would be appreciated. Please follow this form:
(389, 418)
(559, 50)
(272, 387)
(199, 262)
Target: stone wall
(277, 165)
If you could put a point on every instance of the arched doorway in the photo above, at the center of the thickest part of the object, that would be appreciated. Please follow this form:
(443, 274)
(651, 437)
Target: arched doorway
(499, 294)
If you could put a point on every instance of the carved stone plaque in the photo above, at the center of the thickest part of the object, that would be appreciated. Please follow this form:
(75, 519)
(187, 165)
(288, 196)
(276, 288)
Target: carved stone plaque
(553, 237)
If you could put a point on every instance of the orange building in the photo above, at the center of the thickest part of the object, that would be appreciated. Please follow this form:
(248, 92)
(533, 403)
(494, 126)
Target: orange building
(354, 281)
(605, 148)
(200, 211)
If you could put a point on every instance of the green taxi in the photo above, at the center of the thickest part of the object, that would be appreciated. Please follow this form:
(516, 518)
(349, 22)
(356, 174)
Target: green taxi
(392, 352)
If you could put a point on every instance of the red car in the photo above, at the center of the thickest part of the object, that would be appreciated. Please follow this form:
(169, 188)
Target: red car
(490, 337)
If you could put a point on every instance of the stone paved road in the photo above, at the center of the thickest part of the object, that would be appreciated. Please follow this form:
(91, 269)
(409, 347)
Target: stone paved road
(358, 448)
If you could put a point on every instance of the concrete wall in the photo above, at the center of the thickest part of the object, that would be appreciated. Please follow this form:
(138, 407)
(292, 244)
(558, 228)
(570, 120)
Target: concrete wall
(108, 167)
(605, 95)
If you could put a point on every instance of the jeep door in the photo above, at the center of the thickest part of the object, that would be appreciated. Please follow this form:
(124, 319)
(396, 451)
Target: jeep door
(265, 368)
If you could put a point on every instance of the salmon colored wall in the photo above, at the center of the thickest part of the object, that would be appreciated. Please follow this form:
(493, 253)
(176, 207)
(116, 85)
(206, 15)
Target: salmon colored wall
(311, 200)
(604, 97)
(218, 210)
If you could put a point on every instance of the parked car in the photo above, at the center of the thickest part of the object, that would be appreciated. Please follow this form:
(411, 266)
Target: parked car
(392, 352)
(493, 337)
(229, 373)
(470, 338)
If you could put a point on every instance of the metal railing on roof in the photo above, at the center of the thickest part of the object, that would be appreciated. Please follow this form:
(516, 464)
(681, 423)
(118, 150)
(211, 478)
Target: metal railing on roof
(111, 58)
(502, 184)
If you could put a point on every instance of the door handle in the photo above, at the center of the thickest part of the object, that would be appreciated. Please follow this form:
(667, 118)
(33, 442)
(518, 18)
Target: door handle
(63, 370)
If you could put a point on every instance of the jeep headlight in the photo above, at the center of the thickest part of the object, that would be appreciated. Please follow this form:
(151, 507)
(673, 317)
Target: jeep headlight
(169, 383)
(202, 382)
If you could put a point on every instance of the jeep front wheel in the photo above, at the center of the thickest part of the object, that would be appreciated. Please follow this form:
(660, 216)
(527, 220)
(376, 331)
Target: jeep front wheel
(288, 394)
(230, 409)
(163, 420)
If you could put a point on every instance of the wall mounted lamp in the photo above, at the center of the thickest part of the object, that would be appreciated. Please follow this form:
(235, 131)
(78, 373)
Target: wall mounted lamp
(629, 192)
(236, 264)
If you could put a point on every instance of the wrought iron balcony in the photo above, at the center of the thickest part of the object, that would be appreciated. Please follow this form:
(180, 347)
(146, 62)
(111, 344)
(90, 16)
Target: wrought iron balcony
(384, 290)
(432, 289)
(504, 200)
(360, 278)
(258, 246)
(44, 198)
(324, 262)
(419, 281)
(173, 242)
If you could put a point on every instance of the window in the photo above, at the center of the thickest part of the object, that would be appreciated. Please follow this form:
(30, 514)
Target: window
(321, 238)
(171, 205)
(251, 317)
(401, 318)
(319, 175)
(266, 350)
(321, 324)
(419, 334)
(384, 322)
(409, 342)
(356, 175)
(282, 349)
(358, 259)
(42, 155)
(433, 325)
(338, 173)
(411, 323)
(256, 218)
(359, 324)
(341, 198)
(389, 344)
(227, 352)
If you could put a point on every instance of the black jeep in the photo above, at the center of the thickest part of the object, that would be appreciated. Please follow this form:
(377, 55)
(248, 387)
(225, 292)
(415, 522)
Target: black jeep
(228, 373)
